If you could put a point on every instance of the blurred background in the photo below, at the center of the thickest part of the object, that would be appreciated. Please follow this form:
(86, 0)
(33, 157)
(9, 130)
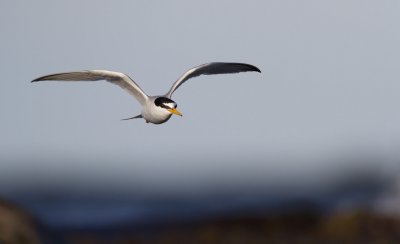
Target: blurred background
(305, 152)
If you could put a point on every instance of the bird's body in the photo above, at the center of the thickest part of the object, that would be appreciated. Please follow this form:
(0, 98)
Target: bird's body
(153, 113)
(155, 109)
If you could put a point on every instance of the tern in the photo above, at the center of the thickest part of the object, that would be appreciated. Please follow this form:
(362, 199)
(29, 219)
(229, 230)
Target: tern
(155, 109)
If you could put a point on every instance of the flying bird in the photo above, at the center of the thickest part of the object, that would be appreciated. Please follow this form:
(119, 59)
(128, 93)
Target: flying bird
(155, 109)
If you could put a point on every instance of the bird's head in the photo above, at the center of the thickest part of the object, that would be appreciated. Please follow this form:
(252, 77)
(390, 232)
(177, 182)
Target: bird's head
(167, 104)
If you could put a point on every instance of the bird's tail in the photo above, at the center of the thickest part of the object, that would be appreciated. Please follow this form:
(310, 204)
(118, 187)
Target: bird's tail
(135, 117)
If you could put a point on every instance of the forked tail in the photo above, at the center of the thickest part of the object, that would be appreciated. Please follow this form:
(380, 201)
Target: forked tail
(136, 117)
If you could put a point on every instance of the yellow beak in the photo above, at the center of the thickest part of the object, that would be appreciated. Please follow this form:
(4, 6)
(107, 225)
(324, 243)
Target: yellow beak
(174, 111)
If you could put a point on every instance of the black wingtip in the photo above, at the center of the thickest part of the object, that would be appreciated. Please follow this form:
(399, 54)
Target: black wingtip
(251, 67)
(42, 78)
(37, 79)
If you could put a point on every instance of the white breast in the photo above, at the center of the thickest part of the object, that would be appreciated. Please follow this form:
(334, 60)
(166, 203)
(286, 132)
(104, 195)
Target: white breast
(155, 114)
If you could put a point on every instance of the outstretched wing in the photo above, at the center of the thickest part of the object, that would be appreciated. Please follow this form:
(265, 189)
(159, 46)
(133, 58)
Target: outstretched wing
(116, 78)
(211, 69)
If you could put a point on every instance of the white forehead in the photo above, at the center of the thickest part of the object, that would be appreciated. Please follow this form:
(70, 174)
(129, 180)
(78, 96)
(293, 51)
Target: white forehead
(170, 105)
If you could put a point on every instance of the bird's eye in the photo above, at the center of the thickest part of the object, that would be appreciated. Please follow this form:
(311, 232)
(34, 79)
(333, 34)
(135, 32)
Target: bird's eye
(165, 103)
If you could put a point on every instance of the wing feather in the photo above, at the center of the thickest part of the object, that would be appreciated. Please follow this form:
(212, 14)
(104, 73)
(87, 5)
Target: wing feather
(117, 78)
(211, 69)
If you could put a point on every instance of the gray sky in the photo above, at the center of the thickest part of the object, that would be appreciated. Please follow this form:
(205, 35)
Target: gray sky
(330, 86)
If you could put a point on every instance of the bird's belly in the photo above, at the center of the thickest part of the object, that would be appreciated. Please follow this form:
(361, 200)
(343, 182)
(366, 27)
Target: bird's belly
(155, 116)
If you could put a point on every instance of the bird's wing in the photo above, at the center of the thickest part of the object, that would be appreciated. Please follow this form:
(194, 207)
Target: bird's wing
(116, 78)
(211, 69)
